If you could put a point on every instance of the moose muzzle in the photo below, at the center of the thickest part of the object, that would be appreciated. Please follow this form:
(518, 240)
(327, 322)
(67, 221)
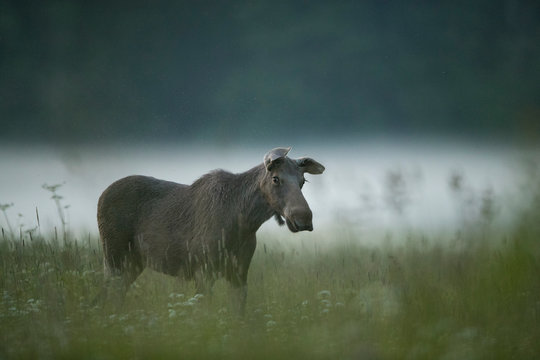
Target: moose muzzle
(299, 219)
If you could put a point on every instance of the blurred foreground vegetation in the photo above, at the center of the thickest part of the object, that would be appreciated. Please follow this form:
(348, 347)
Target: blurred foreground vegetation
(476, 295)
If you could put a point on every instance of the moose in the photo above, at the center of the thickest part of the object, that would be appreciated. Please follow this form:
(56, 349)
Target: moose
(205, 230)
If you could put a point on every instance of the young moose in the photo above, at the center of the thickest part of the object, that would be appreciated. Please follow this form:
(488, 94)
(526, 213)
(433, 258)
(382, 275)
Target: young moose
(204, 230)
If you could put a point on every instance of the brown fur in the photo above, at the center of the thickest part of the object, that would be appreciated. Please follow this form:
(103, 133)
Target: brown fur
(202, 231)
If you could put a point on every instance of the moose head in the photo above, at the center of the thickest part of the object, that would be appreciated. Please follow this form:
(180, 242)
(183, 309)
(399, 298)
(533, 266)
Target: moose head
(282, 187)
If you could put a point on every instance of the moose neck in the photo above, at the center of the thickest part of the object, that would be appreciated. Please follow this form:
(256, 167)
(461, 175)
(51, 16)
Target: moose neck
(254, 208)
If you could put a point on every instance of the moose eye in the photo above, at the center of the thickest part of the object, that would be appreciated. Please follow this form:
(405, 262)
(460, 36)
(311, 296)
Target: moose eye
(275, 180)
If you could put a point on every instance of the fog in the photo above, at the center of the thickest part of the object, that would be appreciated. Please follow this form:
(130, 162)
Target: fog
(370, 185)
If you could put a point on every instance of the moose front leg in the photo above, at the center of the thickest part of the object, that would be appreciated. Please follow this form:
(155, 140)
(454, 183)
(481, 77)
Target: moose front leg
(240, 298)
(238, 273)
(238, 282)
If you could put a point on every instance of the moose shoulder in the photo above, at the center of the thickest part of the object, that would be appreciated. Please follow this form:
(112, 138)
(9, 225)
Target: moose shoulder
(205, 230)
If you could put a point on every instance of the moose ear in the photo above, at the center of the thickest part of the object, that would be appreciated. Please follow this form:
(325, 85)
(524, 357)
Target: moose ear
(310, 166)
(274, 156)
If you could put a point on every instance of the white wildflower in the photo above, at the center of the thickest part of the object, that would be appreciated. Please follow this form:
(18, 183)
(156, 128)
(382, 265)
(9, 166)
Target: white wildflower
(176, 296)
(326, 303)
(324, 294)
(270, 324)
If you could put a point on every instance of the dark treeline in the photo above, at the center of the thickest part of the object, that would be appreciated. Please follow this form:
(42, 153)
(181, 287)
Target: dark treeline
(102, 71)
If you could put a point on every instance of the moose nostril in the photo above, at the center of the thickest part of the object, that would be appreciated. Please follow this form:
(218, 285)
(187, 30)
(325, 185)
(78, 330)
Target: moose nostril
(307, 226)
(303, 226)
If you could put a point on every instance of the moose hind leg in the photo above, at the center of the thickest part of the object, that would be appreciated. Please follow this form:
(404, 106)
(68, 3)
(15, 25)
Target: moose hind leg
(122, 268)
(118, 281)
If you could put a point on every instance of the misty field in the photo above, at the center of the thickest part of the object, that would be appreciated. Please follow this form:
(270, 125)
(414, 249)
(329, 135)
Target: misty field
(469, 293)
(465, 299)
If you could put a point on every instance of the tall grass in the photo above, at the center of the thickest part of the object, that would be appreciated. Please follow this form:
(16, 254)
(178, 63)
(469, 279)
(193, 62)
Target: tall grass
(322, 296)
(415, 299)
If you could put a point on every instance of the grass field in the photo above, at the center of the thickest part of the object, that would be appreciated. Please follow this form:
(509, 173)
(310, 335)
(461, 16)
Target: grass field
(474, 294)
